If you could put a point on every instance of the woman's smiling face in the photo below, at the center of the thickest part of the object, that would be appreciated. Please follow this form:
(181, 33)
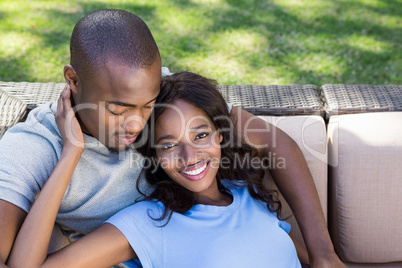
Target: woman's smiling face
(188, 148)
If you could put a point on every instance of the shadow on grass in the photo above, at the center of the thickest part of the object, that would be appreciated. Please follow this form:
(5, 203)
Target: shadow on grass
(290, 38)
(56, 38)
(16, 69)
(2, 15)
(315, 49)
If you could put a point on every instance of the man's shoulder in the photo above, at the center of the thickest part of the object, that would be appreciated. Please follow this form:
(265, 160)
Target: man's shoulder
(40, 121)
(43, 114)
(38, 132)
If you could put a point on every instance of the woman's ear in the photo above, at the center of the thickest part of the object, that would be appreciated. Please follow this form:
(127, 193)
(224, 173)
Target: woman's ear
(220, 137)
(71, 78)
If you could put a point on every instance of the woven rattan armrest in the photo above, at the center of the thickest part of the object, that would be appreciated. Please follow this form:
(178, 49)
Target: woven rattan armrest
(259, 100)
(274, 99)
(33, 94)
(12, 110)
(351, 99)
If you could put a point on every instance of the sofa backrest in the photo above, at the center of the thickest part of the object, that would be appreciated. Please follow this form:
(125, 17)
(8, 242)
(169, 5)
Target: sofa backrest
(365, 186)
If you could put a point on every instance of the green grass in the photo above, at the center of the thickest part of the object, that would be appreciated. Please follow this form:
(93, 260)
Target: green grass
(233, 41)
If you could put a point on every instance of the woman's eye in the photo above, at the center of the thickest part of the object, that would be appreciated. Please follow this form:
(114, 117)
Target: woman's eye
(201, 135)
(167, 146)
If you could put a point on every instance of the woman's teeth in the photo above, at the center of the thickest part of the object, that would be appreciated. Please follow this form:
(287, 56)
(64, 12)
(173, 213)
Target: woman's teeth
(196, 171)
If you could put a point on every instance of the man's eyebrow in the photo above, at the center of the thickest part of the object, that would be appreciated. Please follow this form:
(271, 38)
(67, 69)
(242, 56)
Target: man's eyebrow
(119, 103)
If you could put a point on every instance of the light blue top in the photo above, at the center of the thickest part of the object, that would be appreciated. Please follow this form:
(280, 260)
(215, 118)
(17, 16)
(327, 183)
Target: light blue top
(242, 234)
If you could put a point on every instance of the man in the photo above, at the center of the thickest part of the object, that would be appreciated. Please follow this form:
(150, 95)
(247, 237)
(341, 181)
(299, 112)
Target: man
(114, 79)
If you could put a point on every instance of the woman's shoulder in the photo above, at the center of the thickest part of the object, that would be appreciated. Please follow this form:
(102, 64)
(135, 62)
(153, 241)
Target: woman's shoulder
(138, 211)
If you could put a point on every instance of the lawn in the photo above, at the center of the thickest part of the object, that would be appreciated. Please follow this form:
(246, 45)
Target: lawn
(233, 41)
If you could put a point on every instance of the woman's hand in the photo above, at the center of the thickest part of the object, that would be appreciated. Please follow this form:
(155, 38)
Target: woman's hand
(67, 123)
(329, 262)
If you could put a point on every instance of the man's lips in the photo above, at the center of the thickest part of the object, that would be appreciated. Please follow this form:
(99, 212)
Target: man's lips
(126, 139)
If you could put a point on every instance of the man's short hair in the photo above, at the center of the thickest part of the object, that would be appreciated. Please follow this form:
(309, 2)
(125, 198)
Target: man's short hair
(111, 34)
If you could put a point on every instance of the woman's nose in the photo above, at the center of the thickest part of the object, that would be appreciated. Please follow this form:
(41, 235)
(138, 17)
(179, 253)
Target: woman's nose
(189, 154)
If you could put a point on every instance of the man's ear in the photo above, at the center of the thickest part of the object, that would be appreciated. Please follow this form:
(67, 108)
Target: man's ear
(71, 78)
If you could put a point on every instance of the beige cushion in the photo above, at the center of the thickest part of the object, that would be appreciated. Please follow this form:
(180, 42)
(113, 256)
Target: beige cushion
(365, 180)
(310, 134)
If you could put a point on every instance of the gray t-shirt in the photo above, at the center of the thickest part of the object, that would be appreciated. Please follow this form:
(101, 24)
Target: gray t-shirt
(103, 183)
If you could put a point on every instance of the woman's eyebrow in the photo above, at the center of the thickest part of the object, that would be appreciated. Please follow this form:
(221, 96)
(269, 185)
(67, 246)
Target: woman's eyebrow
(169, 136)
(199, 127)
(164, 137)
(151, 100)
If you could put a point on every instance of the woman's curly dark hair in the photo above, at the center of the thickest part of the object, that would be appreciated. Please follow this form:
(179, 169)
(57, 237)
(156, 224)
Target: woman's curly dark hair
(202, 93)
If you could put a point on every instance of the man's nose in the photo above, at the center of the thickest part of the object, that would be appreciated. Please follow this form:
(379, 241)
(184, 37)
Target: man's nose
(133, 123)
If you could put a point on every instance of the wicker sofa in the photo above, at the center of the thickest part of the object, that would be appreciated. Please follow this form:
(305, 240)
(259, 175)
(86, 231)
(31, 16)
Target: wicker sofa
(350, 135)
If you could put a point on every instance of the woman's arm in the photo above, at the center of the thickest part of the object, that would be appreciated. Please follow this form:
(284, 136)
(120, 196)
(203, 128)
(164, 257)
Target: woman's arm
(32, 241)
(302, 253)
(294, 182)
(106, 246)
